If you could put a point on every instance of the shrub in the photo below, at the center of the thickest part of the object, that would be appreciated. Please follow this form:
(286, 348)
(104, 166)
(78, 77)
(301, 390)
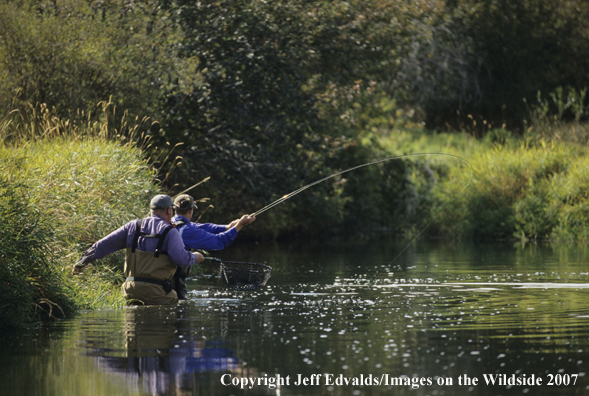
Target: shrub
(520, 190)
(66, 186)
(70, 55)
(32, 285)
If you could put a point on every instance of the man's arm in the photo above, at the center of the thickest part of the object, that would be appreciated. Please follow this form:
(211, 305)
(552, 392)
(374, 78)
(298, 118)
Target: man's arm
(211, 228)
(195, 237)
(178, 253)
(243, 221)
(238, 224)
(114, 241)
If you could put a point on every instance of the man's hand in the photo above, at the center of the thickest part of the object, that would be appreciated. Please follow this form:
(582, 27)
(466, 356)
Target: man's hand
(245, 220)
(81, 264)
(199, 257)
(78, 268)
(232, 224)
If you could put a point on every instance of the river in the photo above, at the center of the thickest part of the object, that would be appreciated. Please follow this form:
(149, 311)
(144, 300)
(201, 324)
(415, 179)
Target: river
(445, 318)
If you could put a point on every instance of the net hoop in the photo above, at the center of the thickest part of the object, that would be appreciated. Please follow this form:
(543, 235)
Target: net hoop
(245, 276)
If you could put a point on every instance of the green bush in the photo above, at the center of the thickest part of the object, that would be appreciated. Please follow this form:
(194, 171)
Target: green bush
(70, 55)
(32, 285)
(520, 190)
(63, 188)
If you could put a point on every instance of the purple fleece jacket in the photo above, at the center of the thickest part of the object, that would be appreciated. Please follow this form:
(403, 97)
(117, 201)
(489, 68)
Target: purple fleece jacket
(123, 238)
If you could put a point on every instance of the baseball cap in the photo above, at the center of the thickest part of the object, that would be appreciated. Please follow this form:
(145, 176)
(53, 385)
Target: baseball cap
(161, 201)
(185, 202)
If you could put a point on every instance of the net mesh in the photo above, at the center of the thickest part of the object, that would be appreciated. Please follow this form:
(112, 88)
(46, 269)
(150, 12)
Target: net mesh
(245, 276)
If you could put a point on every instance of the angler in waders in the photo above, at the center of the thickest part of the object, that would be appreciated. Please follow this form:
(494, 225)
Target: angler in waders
(154, 251)
(197, 236)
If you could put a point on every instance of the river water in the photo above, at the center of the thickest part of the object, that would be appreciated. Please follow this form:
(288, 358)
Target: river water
(445, 318)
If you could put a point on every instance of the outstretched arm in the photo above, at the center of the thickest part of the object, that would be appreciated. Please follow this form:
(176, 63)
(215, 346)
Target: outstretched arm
(114, 241)
(240, 223)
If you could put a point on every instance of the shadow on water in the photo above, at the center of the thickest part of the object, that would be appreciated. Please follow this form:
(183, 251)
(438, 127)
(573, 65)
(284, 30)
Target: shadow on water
(341, 317)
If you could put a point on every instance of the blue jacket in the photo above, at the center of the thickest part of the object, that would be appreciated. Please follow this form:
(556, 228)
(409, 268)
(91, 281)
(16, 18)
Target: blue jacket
(205, 236)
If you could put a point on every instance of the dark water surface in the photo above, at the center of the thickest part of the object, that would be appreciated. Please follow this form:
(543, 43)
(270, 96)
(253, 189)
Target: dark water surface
(443, 319)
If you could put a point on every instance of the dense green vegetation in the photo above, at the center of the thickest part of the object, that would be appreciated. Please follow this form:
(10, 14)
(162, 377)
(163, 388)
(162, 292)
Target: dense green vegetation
(63, 187)
(529, 188)
(265, 97)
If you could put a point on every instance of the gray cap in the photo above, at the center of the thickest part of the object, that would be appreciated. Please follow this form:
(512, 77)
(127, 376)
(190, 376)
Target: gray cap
(161, 201)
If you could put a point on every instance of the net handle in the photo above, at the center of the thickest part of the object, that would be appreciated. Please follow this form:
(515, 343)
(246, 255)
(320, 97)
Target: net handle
(218, 260)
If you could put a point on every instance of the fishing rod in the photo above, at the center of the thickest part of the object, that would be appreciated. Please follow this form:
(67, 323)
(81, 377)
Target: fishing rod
(250, 276)
(206, 179)
(292, 194)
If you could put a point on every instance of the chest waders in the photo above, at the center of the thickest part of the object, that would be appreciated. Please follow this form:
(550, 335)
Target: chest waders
(149, 274)
(181, 272)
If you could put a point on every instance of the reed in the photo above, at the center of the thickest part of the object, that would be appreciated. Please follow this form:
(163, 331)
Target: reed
(30, 285)
(65, 184)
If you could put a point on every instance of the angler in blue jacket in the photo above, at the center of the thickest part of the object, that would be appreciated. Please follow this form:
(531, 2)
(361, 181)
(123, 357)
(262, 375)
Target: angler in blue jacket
(201, 236)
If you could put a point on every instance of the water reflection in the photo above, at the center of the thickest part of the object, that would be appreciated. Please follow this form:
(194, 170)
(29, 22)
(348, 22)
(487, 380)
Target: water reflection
(445, 313)
(158, 357)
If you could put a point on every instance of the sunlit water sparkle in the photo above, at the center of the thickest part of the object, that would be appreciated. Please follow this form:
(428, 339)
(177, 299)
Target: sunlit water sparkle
(440, 312)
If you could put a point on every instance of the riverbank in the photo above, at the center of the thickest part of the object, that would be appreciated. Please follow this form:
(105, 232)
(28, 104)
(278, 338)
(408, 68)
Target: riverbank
(60, 191)
(533, 187)
(65, 186)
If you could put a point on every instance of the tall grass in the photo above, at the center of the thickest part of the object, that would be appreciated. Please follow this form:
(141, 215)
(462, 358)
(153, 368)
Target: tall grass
(64, 185)
(29, 283)
(534, 187)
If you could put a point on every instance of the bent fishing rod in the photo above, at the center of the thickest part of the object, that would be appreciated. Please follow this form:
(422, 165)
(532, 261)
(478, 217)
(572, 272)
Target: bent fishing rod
(292, 194)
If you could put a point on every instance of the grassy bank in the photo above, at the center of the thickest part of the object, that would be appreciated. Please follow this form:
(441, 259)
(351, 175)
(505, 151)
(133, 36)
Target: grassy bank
(534, 187)
(62, 187)
(65, 184)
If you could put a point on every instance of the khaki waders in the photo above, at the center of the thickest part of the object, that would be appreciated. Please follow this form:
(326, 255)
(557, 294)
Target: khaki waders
(149, 274)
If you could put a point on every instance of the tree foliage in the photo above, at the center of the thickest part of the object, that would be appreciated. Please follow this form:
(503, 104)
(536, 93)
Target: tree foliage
(72, 54)
(253, 114)
(246, 117)
(513, 49)
(265, 97)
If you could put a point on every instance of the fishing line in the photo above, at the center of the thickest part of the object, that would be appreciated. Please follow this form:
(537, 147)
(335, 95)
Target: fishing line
(292, 194)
